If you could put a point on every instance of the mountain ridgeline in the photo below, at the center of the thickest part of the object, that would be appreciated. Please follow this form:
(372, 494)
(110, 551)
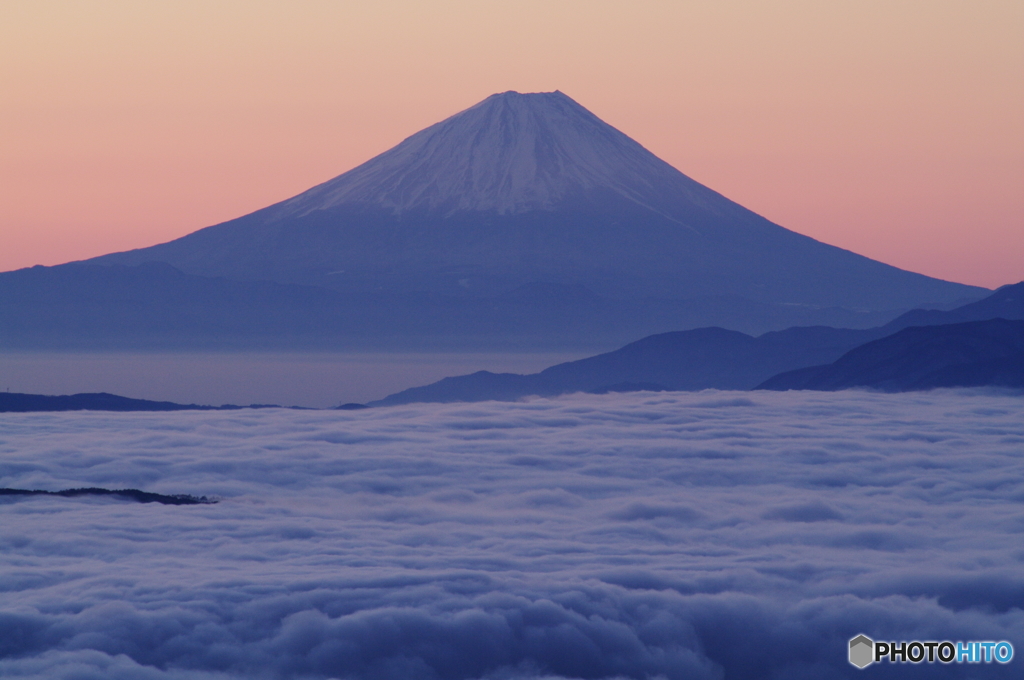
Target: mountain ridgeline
(523, 221)
(979, 344)
(973, 354)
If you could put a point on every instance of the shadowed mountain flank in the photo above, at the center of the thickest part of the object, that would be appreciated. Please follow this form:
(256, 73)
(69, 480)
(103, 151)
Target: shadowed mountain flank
(972, 354)
(156, 306)
(1007, 302)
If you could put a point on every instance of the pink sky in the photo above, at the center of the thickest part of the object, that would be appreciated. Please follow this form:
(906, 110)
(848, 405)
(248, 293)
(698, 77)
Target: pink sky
(894, 129)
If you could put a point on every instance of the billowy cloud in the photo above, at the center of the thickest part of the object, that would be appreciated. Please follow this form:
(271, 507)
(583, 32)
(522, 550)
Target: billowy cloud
(674, 535)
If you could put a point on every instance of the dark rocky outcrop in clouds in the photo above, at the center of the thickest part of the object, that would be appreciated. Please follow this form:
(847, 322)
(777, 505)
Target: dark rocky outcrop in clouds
(127, 494)
(696, 536)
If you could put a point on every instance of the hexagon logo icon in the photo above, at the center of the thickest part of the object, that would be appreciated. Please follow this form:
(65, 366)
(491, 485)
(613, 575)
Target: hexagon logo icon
(862, 651)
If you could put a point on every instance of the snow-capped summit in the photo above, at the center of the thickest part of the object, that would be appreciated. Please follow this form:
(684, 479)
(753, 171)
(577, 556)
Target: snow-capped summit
(510, 153)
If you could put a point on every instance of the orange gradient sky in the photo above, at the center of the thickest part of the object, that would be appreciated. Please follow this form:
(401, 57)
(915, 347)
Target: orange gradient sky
(894, 129)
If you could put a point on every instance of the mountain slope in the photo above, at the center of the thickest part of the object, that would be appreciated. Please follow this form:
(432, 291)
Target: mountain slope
(510, 153)
(82, 306)
(1007, 302)
(700, 359)
(922, 357)
(683, 360)
(526, 189)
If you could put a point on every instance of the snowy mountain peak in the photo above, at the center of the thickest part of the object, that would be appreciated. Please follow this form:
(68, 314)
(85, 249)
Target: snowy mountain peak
(509, 153)
(534, 203)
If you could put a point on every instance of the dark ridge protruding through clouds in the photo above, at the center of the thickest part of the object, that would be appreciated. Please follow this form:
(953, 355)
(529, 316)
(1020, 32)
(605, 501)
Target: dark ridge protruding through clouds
(684, 536)
(15, 402)
(127, 494)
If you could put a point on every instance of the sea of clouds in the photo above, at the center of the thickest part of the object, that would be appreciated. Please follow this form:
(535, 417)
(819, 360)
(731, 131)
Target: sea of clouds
(672, 535)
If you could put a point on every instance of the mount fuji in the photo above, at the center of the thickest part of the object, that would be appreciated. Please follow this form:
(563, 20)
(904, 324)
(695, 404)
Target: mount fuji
(526, 189)
(526, 217)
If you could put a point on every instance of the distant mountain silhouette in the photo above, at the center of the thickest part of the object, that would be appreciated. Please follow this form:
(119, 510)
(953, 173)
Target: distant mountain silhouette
(693, 360)
(976, 353)
(523, 221)
(683, 360)
(16, 402)
(1007, 302)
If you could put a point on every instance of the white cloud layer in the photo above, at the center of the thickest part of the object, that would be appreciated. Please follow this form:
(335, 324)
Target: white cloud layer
(675, 535)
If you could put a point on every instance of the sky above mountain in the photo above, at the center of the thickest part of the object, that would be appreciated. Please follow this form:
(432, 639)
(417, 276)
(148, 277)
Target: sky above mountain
(891, 129)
